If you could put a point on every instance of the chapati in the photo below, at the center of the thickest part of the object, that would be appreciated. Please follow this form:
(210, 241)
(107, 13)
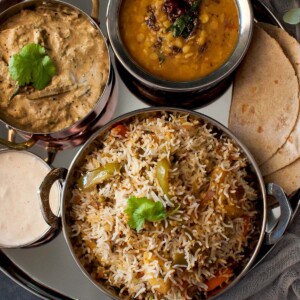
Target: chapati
(288, 177)
(290, 150)
(265, 102)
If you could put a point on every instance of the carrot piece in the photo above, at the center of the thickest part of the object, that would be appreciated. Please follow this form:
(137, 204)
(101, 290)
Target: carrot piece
(216, 291)
(246, 225)
(120, 130)
(209, 195)
(220, 278)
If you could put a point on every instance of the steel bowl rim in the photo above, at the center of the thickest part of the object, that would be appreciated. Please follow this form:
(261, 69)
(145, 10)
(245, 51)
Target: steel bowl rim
(66, 131)
(77, 159)
(245, 34)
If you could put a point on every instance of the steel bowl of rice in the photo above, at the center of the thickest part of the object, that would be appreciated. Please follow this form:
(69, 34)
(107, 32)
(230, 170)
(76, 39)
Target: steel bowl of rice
(164, 204)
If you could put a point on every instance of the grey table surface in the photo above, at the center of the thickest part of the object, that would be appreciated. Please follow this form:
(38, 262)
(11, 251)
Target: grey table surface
(11, 290)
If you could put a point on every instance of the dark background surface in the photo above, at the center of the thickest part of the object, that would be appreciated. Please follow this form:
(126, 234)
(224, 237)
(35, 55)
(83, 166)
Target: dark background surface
(9, 290)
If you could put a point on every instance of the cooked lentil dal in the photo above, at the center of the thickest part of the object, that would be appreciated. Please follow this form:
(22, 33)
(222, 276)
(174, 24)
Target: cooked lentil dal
(146, 30)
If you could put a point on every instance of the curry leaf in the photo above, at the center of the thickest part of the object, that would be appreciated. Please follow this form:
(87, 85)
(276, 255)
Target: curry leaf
(143, 209)
(184, 24)
(32, 65)
(292, 16)
(161, 58)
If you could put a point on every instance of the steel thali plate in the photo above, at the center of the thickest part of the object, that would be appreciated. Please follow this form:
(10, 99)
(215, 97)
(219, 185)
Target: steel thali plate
(49, 271)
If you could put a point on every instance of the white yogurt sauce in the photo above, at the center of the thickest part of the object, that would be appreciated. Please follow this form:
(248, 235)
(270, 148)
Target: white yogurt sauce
(21, 220)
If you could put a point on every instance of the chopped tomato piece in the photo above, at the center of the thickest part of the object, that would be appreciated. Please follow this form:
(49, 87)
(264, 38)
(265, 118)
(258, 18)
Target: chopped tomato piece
(120, 130)
(209, 195)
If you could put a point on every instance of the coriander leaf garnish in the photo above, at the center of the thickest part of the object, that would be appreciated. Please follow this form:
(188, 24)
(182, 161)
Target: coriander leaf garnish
(292, 16)
(143, 209)
(184, 25)
(33, 66)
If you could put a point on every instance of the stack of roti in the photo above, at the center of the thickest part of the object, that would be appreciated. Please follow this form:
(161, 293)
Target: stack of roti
(265, 111)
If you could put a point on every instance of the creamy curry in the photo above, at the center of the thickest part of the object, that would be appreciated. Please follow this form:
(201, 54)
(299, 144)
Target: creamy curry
(179, 40)
(80, 55)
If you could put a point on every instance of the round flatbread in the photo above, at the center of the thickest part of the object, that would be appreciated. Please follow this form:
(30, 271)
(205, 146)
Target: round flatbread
(265, 102)
(288, 177)
(290, 151)
(289, 44)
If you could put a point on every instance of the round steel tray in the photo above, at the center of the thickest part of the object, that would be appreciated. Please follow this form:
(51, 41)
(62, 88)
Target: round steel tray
(30, 267)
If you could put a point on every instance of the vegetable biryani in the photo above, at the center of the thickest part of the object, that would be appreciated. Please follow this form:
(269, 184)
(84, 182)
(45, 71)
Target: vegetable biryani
(164, 208)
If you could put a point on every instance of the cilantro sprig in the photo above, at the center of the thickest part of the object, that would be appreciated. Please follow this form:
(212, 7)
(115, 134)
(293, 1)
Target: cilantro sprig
(33, 66)
(143, 209)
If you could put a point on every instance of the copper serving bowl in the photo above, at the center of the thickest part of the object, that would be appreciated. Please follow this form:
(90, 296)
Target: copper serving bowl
(67, 177)
(78, 132)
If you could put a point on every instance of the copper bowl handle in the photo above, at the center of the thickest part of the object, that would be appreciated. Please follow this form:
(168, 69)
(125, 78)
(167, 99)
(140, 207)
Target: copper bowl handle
(95, 11)
(5, 4)
(44, 193)
(286, 213)
(18, 146)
